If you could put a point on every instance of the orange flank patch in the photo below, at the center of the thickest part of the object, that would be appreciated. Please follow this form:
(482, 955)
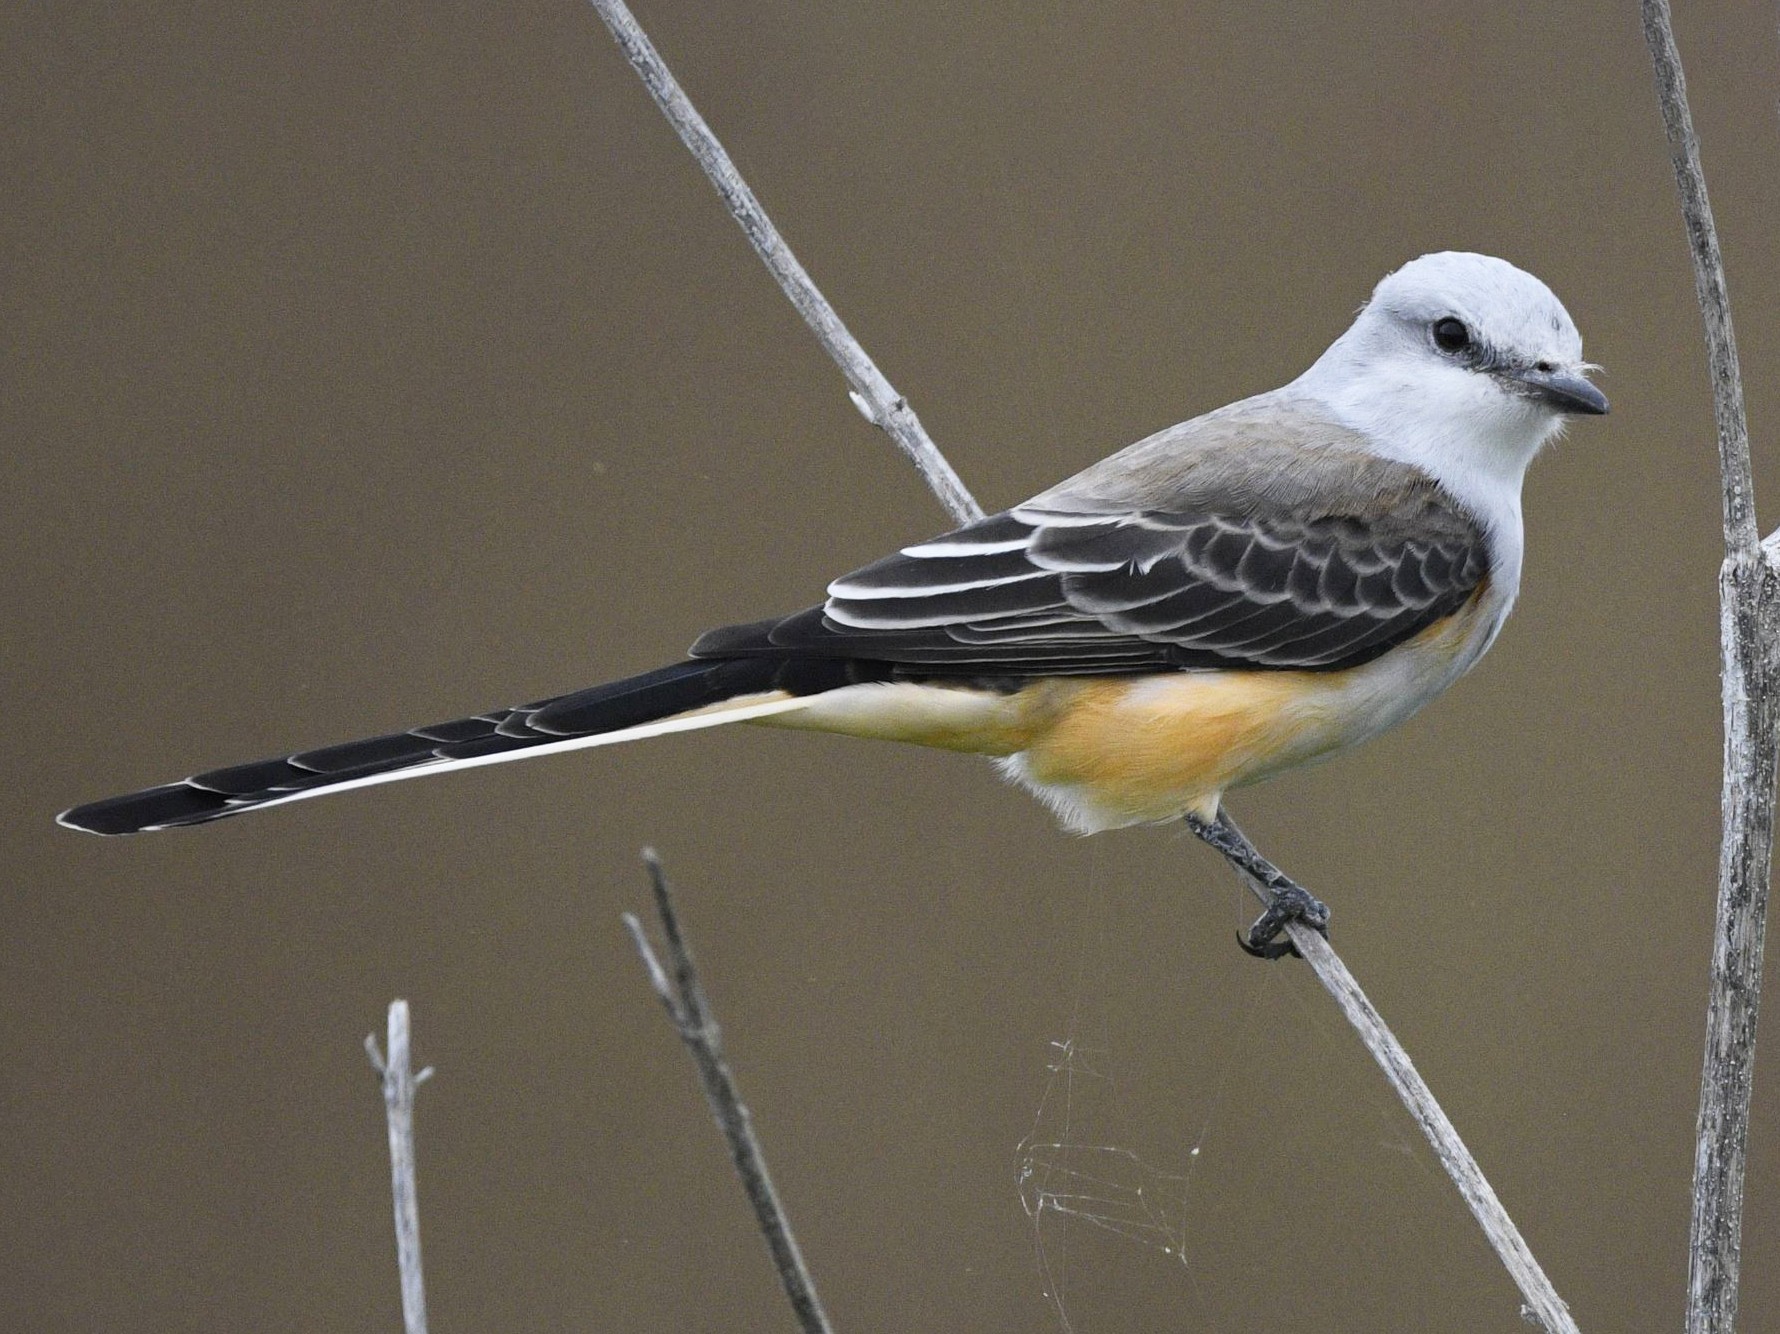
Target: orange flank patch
(1172, 742)
(1134, 740)
(1107, 752)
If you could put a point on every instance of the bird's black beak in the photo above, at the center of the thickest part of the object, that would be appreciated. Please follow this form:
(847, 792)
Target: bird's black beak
(1567, 391)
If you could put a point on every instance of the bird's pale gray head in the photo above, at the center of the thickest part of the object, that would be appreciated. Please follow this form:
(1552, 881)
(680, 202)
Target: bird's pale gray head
(1461, 364)
(1482, 316)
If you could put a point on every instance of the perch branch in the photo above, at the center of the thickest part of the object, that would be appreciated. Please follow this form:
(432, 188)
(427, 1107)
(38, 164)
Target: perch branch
(880, 403)
(1749, 642)
(399, 1083)
(1541, 1301)
(873, 395)
(682, 995)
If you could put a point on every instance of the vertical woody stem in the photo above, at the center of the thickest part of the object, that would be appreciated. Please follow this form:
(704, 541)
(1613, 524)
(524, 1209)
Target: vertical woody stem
(399, 1083)
(1749, 632)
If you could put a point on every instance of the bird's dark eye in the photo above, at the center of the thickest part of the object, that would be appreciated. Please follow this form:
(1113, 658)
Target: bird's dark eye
(1451, 335)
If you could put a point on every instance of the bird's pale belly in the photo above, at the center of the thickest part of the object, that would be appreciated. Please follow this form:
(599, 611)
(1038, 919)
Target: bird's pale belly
(1105, 752)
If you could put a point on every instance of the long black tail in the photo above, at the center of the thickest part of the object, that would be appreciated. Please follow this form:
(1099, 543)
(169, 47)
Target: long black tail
(639, 705)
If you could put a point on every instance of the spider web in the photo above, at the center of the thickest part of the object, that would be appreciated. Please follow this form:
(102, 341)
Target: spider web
(1069, 1176)
(1077, 1171)
(1097, 1177)
(1104, 1185)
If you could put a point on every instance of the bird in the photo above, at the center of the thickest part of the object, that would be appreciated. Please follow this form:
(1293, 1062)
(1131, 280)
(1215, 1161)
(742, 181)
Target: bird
(1245, 592)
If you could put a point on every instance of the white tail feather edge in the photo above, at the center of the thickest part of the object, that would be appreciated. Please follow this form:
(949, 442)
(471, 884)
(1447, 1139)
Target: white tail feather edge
(738, 710)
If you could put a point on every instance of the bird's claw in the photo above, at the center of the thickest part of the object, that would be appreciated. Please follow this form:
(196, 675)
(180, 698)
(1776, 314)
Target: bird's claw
(1291, 904)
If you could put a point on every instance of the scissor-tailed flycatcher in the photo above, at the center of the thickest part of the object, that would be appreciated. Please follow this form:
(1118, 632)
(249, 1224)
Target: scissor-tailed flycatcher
(1236, 595)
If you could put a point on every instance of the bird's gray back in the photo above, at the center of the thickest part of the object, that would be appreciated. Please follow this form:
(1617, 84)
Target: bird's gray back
(1273, 456)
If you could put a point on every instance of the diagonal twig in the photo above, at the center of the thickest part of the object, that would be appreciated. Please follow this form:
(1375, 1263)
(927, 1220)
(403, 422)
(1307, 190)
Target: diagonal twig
(872, 394)
(399, 1083)
(682, 995)
(1542, 1303)
(1749, 634)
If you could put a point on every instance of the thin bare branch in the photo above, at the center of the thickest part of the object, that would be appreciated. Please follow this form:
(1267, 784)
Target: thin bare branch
(1542, 1303)
(399, 1083)
(872, 394)
(1749, 635)
(1740, 532)
(683, 997)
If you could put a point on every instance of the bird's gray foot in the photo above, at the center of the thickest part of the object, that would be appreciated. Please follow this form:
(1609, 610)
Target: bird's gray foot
(1290, 901)
(1294, 903)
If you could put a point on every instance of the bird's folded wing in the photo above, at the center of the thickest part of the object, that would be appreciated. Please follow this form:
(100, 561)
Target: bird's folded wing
(1327, 569)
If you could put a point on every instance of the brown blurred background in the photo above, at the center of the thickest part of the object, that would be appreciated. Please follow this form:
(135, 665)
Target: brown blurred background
(368, 365)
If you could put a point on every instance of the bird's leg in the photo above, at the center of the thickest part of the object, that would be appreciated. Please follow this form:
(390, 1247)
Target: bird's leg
(1290, 902)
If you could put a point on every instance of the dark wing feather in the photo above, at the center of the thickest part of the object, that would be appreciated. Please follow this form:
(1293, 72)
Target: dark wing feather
(1046, 589)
